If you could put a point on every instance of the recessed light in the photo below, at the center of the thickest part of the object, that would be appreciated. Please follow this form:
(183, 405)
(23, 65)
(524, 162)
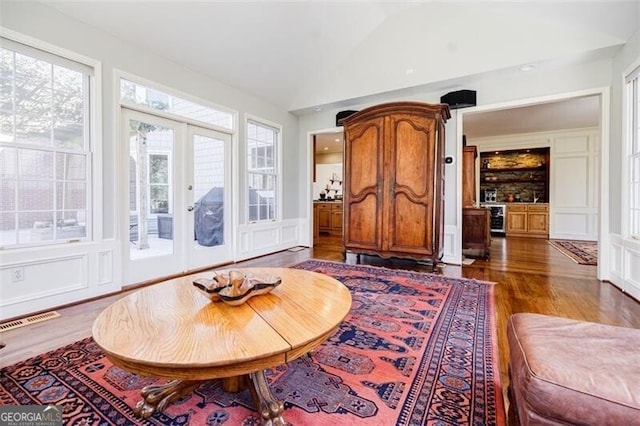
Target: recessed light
(337, 139)
(317, 109)
(527, 67)
(326, 148)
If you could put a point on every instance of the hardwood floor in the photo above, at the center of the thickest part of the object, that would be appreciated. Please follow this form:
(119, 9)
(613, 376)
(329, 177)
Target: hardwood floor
(531, 276)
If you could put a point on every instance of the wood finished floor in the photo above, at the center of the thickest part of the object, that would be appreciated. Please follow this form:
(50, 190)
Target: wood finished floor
(531, 276)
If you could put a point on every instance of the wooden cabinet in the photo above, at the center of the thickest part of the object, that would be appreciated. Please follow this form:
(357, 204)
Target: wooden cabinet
(476, 232)
(329, 217)
(530, 220)
(469, 155)
(393, 183)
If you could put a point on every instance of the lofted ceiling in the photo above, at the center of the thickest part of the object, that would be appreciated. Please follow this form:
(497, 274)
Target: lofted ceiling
(307, 55)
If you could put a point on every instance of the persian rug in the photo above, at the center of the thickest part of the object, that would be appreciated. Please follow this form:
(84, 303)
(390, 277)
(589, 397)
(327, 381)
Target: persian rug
(415, 349)
(582, 252)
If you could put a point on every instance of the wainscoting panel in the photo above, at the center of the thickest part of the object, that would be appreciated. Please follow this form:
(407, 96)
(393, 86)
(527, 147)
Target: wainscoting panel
(625, 265)
(105, 267)
(572, 225)
(452, 250)
(258, 239)
(632, 272)
(52, 276)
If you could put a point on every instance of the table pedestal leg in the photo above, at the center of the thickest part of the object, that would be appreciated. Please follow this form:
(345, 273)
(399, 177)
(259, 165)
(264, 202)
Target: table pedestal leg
(270, 409)
(156, 398)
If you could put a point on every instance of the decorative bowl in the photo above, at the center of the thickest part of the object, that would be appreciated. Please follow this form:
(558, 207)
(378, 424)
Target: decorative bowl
(235, 288)
(212, 287)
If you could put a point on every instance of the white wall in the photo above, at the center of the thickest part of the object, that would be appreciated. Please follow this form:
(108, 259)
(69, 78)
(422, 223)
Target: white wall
(96, 266)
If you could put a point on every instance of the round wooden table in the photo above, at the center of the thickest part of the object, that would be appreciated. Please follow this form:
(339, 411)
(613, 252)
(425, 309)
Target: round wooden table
(172, 330)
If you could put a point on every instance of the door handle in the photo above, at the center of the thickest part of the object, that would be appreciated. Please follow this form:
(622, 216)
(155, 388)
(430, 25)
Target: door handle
(190, 208)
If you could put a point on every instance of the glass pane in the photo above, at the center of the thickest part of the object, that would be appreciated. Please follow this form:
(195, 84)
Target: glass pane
(68, 108)
(35, 227)
(8, 231)
(34, 164)
(71, 167)
(35, 195)
(7, 163)
(150, 189)
(261, 197)
(208, 191)
(7, 195)
(6, 95)
(68, 226)
(33, 100)
(71, 195)
(139, 94)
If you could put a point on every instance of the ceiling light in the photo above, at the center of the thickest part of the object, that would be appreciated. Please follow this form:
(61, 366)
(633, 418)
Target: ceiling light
(326, 148)
(527, 67)
(337, 139)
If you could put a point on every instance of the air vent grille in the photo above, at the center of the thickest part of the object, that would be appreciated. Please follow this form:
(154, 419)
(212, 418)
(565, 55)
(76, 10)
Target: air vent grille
(11, 325)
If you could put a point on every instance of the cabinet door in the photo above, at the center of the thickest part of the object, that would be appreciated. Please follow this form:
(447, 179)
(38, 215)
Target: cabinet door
(516, 221)
(363, 193)
(538, 222)
(324, 217)
(410, 184)
(336, 220)
(469, 155)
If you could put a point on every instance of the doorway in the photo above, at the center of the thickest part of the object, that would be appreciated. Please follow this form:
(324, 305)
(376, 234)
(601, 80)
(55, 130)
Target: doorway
(327, 164)
(177, 197)
(564, 107)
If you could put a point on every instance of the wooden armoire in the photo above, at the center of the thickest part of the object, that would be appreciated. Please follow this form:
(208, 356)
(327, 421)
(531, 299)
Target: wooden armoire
(394, 181)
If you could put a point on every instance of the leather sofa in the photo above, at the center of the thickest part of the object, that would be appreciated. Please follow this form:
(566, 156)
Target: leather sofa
(564, 372)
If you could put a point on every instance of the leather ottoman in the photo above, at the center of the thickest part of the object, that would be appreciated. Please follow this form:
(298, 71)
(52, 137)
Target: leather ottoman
(564, 372)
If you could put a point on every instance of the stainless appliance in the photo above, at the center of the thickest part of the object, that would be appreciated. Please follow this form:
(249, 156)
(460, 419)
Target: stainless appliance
(490, 195)
(498, 217)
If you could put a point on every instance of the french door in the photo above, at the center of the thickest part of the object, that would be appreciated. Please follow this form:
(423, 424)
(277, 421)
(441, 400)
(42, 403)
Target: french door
(178, 196)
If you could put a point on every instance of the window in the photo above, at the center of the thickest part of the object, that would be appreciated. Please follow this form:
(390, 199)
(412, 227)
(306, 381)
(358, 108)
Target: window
(137, 94)
(633, 120)
(262, 166)
(45, 152)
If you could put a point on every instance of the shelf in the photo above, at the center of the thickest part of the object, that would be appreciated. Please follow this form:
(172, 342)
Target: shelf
(516, 169)
(512, 181)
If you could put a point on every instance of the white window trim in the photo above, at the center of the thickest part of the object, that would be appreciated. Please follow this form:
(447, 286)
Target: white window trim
(279, 168)
(627, 122)
(94, 163)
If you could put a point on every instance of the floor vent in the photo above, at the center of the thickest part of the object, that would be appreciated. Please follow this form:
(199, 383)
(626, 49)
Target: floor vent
(6, 326)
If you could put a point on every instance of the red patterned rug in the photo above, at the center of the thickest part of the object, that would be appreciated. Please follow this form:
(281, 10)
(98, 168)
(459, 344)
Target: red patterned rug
(582, 252)
(416, 349)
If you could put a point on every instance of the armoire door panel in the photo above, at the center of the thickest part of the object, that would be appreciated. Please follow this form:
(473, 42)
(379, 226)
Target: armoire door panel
(364, 154)
(364, 223)
(414, 142)
(409, 226)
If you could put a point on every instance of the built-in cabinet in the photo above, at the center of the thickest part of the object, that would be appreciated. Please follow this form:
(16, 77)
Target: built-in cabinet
(469, 155)
(528, 220)
(394, 181)
(327, 217)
